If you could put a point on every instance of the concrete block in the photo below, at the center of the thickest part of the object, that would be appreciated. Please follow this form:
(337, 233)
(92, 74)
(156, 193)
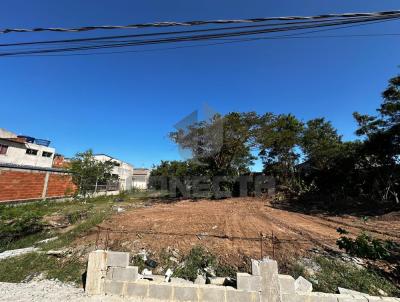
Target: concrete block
(117, 259)
(209, 293)
(351, 298)
(114, 288)
(200, 280)
(160, 291)
(322, 297)
(294, 298)
(96, 273)
(217, 280)
(269, 281)
(248, 282)
(302, 285)
(129, 273)
(242, 296)
(139, 288)
(184, 293)
(286, 284)
(176, 280)
(255, 267)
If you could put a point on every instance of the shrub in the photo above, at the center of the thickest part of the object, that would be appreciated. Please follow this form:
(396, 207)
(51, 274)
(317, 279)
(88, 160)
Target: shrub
(365, 246)
(334, 274)
(27, 224)
(195, 262)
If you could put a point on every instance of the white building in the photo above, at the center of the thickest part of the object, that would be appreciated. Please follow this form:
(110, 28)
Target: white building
(123, 170)
(25, 150)
(141, 178)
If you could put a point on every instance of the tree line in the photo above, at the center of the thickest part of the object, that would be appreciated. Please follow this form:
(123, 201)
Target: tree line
(309, 160)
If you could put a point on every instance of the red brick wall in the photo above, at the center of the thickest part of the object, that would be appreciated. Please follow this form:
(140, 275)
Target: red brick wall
(60, 185)
(28, 184)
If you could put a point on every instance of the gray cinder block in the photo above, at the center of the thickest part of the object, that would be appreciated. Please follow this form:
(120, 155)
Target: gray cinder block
(180, 281)
(117, 259)
(302, 285)
(160, 291)
(129, 273)
(200, 280)
(255, 267)
(184, 293)
(96, 272)
(322, 297)
(209, 293)
(248, 282)
(286, 284)
(242, 296)
(114, 287)
(269, 281)
(139, 288)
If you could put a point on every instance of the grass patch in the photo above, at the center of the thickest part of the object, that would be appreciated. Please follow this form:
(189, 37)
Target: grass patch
(66, 238)
(334, 274)
(17, 269)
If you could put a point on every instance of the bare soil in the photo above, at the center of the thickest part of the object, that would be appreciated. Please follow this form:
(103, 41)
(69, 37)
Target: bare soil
(232, 228)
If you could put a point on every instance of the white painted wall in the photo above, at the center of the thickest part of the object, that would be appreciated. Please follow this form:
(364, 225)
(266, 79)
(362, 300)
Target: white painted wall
(141, 178)
(16, 154)
(124, 171)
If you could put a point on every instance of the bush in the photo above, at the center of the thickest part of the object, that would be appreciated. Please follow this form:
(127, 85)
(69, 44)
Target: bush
(27, 224)
(365, 246)
(195, 262)
(334, 274)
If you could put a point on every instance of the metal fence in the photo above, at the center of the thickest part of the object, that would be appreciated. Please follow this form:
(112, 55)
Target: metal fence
(269, 244)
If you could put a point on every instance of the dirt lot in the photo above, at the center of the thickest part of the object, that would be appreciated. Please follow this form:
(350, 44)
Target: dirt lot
(231, 229)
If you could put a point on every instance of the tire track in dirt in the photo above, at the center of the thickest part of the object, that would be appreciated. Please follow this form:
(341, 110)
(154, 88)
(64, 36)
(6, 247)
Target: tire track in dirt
(304, 233)
(361, 227)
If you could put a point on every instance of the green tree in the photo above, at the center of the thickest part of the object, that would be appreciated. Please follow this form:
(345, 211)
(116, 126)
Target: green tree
(88, 173)
(381, 151)
(222, 144)
(278, 138)
(320, 143)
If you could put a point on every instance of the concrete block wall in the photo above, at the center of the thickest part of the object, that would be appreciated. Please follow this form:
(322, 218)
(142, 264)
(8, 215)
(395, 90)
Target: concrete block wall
(109, 273)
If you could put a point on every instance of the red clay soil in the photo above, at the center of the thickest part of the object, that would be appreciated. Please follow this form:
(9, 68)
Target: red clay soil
(231, 229)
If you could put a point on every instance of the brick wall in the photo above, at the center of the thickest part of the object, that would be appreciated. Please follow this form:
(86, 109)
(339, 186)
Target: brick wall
(60, 185)
(29, 184)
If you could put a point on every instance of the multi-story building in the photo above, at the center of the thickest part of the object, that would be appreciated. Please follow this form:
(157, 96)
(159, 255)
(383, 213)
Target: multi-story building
(27, 172)
(25, 150)
(121, 170)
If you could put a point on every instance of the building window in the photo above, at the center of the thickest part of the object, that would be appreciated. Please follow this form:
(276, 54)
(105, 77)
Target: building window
(31, 151)
(3, 149)
(46, 154)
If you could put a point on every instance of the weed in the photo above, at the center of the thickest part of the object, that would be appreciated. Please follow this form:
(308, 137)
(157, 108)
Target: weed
(20, 268)
(365, 246)
(334, 274)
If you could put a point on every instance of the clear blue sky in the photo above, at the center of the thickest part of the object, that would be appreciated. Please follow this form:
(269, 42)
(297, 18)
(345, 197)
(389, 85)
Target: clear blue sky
(125, 104)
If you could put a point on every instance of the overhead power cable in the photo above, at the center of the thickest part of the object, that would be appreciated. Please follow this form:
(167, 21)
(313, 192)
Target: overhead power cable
(105, 38)
(195, 23)
(177, 37)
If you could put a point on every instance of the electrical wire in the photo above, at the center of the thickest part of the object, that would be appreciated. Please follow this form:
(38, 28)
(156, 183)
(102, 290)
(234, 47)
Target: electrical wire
(201, 37)
(105, 38)
(196, 23)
